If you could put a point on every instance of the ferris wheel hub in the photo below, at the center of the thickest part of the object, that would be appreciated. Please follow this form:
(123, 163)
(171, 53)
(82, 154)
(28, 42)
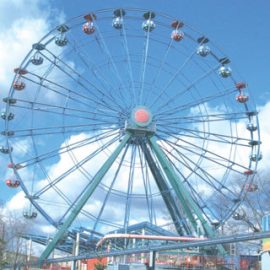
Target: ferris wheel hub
(141, 121)
(141, 116)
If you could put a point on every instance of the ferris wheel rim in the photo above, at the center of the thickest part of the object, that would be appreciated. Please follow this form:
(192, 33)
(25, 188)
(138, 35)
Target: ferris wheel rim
(12, 93)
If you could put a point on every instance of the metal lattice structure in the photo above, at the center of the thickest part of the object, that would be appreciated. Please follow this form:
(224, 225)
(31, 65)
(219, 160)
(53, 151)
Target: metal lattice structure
(124, 116)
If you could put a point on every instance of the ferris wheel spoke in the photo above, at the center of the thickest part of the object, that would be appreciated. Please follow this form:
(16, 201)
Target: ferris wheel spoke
(175, 119)
(69, 132)
(130, 69)
(220, 136)
(64, 149)
(144, 65)
(116, 92)
(210, 137)
(84, 55)
(203, 175)
(116, 71)
(160, 68)
(193, 104)
(214, 157)
(83, 212)
(77, 81)
(187, 89)
(43, 170)
(203, 203)
(40, 106)
(61, 130)
(178, 124)
(187, 163)
(70, 94)
(180, 71)
(55, 188)
(162, 63)
(75, 166)
(112, 90)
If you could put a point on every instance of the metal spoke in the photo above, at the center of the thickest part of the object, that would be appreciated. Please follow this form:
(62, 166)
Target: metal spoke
(116, 71)
(215, 157)
(190, 105)
(64, 149)
(84, 55)
(201, 135)
(78, 96)
(96, 116)
(179, 71)
(72, 71)
(144, 64)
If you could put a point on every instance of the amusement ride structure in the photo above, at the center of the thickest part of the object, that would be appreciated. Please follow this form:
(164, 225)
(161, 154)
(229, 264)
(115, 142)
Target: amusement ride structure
(125, 117)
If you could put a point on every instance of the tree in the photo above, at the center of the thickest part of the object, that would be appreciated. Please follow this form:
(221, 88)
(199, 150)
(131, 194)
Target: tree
(2, 242)
(12, 246)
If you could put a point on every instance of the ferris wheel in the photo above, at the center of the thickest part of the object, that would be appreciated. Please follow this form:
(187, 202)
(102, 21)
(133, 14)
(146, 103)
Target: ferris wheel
(124, 116)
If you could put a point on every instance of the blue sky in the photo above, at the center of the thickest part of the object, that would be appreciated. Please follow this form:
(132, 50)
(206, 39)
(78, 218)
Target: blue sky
(240, 28)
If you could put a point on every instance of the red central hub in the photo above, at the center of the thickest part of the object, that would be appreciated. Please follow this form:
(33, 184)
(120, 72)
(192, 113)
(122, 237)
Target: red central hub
(140, 122)
(142, 116)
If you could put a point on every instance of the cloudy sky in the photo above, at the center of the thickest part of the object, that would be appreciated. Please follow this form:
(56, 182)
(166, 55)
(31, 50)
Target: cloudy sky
(239, 28)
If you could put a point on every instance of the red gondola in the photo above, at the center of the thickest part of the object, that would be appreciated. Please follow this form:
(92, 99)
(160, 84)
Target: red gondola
(177, 35)
(88, 28)
(14, 166)
(240, 85)
(19, 85)
(251, 187)
(242, 98)
(12, 183)
(20, 71)
(248, 172)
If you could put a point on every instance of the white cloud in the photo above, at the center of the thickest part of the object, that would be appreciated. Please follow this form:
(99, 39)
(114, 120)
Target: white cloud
(17, 203)
(24, 22)
(47, 229)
